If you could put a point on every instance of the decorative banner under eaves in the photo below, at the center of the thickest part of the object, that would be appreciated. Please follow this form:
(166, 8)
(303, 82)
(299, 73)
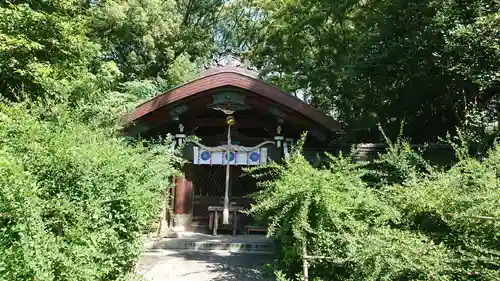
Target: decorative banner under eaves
(238, 155)
(240, 158)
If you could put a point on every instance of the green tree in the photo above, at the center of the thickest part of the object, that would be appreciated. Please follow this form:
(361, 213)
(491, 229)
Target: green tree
(367, 62)
(45, 51)
(149, 38)
(77, 51)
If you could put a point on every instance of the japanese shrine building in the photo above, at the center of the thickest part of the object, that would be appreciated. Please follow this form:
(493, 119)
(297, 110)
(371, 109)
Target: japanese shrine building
(266, 121)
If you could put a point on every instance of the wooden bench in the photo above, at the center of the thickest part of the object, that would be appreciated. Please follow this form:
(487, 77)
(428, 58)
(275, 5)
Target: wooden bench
(213, 222)
(255, 228)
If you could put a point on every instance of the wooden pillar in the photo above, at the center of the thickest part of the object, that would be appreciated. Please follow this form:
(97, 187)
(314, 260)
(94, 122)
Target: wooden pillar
(183, 208)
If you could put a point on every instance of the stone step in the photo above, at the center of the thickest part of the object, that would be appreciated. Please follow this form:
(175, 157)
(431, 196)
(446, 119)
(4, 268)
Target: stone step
(257, 244)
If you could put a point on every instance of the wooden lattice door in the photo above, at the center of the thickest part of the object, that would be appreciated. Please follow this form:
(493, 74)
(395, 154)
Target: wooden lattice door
(209, 186)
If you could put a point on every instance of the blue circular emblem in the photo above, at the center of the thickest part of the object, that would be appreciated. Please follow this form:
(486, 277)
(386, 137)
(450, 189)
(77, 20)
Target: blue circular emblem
(205, 155)
(254, 156)
(231, 156)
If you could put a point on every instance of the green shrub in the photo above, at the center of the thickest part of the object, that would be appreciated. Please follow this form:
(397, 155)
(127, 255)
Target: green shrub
(461, 209)
(74, 199)
(417, 223)
(400, 164)
(342, 218)
(22, 233)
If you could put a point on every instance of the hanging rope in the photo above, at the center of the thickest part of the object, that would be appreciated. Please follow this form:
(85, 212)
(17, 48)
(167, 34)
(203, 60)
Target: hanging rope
(225, 213)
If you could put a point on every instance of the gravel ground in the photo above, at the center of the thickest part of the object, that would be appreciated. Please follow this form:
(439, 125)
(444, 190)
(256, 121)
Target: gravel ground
(196, 266)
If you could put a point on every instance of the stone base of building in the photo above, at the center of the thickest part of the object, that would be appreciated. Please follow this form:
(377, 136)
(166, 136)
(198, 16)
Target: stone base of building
(182, 222)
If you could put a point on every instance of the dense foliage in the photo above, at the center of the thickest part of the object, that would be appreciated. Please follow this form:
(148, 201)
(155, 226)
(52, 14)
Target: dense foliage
(422, 224)
(74, 200)
(74, 194)
(74, 49)
(432, 63)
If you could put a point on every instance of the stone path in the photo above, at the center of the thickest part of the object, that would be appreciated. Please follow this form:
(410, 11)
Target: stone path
(169, 265)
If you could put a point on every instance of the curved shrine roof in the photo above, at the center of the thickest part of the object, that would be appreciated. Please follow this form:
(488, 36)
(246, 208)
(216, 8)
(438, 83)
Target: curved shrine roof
(231, 77)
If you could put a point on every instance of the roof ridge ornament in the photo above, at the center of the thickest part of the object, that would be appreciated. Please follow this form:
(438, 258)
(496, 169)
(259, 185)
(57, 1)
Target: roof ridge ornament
(229, 60)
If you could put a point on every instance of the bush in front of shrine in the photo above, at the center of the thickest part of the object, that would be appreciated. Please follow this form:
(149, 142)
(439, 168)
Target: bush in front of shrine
(73, 199)
(423, 224)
